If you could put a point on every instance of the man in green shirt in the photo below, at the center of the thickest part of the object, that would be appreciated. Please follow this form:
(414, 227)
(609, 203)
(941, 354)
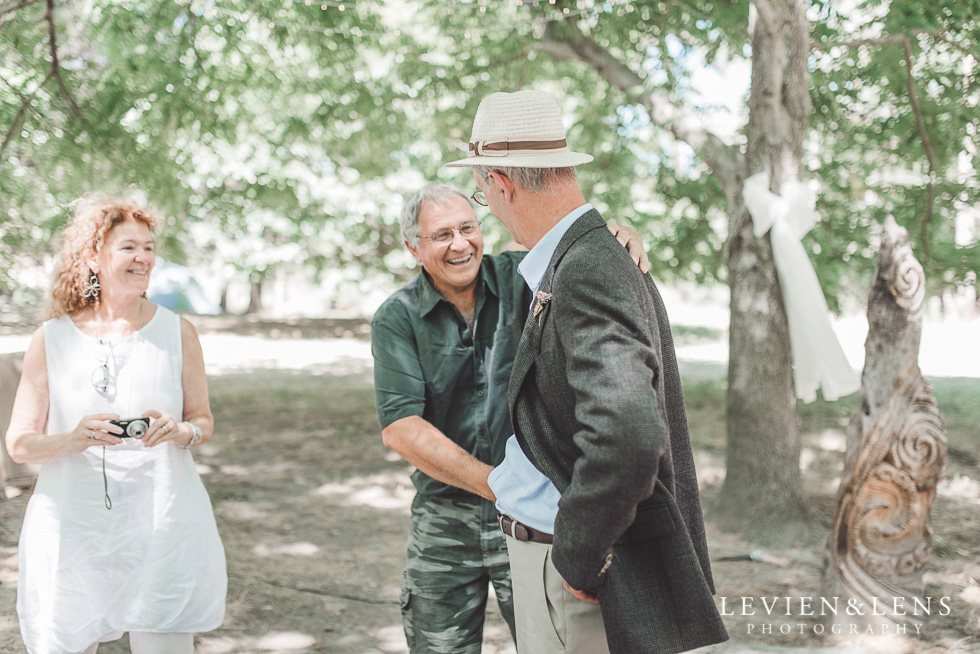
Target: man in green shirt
(444, 347)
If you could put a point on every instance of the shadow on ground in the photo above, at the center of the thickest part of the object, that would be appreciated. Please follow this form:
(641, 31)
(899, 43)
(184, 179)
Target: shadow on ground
(313, 510)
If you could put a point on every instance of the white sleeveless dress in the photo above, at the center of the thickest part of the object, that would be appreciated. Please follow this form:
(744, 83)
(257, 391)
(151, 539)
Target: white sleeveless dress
(154, 562)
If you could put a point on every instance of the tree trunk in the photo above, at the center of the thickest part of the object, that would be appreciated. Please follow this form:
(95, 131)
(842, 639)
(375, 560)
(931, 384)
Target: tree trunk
(896, 452)
(223, 303)
(763, 486)
(255, 298)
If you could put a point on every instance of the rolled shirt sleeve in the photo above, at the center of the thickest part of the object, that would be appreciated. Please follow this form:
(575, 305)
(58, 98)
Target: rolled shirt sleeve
(399, 383)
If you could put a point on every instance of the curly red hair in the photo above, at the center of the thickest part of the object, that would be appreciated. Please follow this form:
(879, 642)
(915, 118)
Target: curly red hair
(96, 214)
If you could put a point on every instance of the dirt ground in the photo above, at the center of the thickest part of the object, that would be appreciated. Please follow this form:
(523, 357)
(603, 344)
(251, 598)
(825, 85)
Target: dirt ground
(313, 512)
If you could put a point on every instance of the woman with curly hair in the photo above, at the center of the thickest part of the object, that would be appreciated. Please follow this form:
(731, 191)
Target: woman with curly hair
(119, 535)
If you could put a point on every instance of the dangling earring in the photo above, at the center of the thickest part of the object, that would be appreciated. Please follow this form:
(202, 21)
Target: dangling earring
(92, 290)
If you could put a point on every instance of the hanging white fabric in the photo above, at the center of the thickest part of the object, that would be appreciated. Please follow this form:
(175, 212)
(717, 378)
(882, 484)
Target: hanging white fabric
(818, 359)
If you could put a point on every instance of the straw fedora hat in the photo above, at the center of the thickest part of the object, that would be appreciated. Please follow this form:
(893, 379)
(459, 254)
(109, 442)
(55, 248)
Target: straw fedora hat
(519, 130)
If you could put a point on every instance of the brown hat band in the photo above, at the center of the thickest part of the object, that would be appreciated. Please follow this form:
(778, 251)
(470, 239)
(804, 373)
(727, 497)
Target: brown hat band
(502, 148)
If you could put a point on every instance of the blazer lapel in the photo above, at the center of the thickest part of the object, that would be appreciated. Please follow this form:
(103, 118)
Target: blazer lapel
(530, 343)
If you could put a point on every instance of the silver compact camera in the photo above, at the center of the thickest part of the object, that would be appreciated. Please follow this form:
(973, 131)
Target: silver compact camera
(132, 428)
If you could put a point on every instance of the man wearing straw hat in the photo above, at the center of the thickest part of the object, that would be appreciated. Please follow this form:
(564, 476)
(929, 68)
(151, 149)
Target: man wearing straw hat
(596, 405)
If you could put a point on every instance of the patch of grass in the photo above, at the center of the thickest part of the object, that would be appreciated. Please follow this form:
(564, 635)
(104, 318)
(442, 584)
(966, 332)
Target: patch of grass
(287, 397)
(705, 403)
(824, 414)
(299, 417)
(688, 334)
(958, 400)
(959, 403)
(706, 394)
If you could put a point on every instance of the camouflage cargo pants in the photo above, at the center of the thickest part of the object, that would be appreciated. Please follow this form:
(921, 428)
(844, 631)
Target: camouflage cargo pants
(455, 550)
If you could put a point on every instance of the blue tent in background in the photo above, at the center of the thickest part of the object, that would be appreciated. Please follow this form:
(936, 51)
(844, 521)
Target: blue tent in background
(173, 286)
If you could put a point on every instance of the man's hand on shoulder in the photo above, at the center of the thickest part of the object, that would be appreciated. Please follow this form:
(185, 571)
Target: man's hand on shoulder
(630, 239)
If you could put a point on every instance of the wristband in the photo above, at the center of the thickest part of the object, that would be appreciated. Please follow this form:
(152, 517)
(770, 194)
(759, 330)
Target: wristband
(196, 437)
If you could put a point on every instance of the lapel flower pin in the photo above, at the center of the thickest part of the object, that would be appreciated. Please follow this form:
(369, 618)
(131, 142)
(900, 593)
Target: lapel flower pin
(540, 300)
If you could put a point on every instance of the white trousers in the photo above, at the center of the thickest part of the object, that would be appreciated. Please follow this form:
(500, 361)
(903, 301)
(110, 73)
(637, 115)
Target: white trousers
(549, 619)
(141, 642)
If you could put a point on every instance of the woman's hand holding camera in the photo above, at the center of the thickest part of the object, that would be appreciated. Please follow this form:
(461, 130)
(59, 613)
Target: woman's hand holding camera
(107, 429)
(94, 430)
(164, 428)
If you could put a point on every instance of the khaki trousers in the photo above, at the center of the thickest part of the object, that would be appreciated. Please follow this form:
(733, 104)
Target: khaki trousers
(549, 620)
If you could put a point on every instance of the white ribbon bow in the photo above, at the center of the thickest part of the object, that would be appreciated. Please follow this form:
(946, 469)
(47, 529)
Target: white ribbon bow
(818, 359)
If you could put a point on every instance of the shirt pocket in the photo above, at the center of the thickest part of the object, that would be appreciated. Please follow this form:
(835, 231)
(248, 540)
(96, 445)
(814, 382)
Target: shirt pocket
(445, 372)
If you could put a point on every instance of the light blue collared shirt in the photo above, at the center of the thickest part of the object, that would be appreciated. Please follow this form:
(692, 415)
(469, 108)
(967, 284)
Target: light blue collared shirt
(536, 262)
(523, 492)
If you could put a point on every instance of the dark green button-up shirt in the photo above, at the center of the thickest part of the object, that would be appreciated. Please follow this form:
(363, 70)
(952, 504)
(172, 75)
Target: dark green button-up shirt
(428, 364)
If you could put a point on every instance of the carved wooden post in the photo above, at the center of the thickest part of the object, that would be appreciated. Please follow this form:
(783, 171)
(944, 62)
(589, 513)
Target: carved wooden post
(896, 452)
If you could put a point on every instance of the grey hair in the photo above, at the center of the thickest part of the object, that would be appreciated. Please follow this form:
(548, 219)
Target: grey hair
(439, 194)
(535, 180)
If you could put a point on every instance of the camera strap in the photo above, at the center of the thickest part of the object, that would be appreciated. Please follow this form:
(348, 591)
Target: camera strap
(105, 482)
(129, 399)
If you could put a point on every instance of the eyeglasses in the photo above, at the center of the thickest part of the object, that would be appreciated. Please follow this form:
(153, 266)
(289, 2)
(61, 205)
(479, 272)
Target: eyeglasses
(100, 376)
(446, 235)
(480, 198)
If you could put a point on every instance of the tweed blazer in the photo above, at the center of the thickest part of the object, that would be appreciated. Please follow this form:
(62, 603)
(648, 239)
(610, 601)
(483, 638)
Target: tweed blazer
(596, 403)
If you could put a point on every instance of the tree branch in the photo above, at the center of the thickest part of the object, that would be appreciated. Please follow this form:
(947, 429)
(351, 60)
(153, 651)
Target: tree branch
(898, 40)
(12, 7)
(53, 72)
(920, 124)
(927, 145)
(883, 40)
(941, 36)
(557, 48)
(689, 6)
(721, 158)
(19, 118)
(767, 15)
(55, 63)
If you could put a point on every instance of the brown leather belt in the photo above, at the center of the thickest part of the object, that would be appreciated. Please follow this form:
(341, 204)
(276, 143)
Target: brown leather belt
(520, 531)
